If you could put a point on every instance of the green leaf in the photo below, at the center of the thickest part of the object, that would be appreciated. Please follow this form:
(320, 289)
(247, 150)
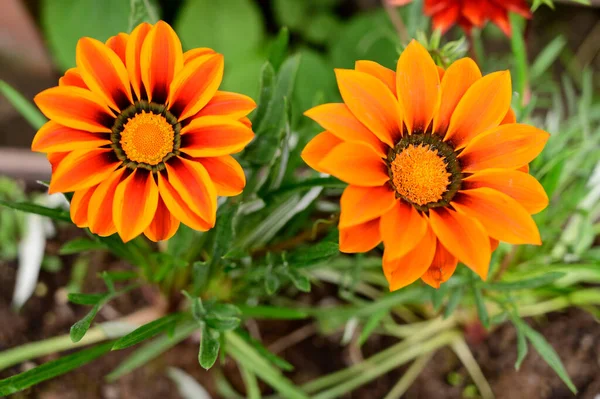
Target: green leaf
(147, 331)
(86, 299)
(143, 11)
(370, 326)
(209, 347)
(63, 23)
(267, 85)
(234, 28)
(224, 231)
(278, 49)
(52, 369)
(27, 110)
(299, 279)
(519, 49)
(272, 312)
(291, 13)
(152, 349)
(80, 245)
(223, 317)
(535, 282)
(120, 275)
(521, 342)
(547, 57)
(79, 329)
(480, 304)
(272, 284)
(547, 353)
(314, 254)
(315, 82)
(264, 352)
(326, 182)
(56, 214)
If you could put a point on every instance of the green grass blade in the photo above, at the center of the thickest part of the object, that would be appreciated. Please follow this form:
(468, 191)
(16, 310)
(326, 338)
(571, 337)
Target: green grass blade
(146, 331)
(21, 104)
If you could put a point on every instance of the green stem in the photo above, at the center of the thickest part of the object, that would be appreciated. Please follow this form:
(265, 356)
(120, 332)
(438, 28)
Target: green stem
(409, 376)
(376, 369)
(34, 350)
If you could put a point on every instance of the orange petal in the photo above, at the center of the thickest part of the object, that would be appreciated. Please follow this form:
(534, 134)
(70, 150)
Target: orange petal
(135, 203)
(55, 158)
(232, 105)
(442, 267)
(457, 79)
(163, 226)
(360, 238)
(510, 117)
(524, 168)
(179, 207)
(133, 58)
(474, 11)
(76, 108)
(226, 174)
(161, 60)
(441, 72)
(494, 244)
(195, 85)
(79, 206)
(192, 54)
(402, 228)
(501, 216)
(355, 164)
(53, 137)
(387, 76)
(104, 73)
(118, 44)
(81, 169)
(361, 204)
(410, 267)
(318, 148)
(520, 186)
(418, 87)
(100, 213)
(481, 108)
(72, 78)
(372, 103)
(192, 182)
(213, 136)
(507, 146)
(464, 237)
(337, 119)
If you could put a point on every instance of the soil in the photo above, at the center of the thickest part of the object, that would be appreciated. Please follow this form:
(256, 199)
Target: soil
(574, 334)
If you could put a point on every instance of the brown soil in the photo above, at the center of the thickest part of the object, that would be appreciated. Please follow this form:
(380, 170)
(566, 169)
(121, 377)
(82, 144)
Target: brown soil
(574, 334)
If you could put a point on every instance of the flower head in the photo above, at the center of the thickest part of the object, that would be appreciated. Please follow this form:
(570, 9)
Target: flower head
(471, 13)
(142, 136)
(436, 165)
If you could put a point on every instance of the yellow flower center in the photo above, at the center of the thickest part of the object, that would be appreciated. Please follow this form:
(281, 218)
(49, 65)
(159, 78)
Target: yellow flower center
(147, 138)
(419, 174)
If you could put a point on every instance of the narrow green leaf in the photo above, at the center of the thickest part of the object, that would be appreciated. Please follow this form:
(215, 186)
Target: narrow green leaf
(316, 253)
(272, 284)
(520, 56)
(147, 331)
(143, 11)
(27, 110)
(299, 279)
(223, 317)
(437, 297)
(529, 283)
(209, 347)
(264, 352)
(86, 299)
(547, 353)
(370, 326)
(56, 214)
(326, 182)
(120, 275)
(151, 350)
(272, 312)
(79, 329)
(521, 343)
(279, 47)
(79, 245)
(267, 85)
(480, 304)
(52, 369)
(547, 57)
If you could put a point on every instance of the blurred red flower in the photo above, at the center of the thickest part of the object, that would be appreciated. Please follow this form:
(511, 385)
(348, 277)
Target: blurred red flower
(470, 13)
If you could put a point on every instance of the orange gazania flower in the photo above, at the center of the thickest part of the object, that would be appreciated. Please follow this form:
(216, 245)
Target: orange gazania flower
(436, 165)
(142, 136)
(471, 13)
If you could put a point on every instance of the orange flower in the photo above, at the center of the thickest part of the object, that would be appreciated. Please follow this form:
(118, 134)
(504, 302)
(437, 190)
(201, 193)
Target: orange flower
(141, 135)
(436, 165)
(470, 13)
